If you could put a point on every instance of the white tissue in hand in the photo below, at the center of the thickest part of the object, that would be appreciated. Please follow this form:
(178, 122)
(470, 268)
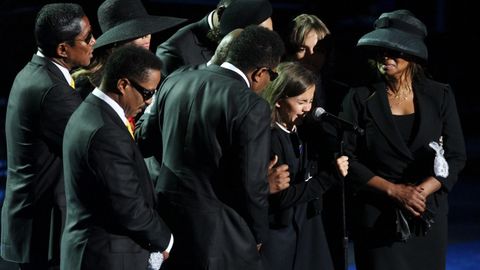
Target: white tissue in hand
(155, 261)
(440, 165)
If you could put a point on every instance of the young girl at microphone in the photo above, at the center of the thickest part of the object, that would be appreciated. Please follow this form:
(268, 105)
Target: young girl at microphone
(297, 239)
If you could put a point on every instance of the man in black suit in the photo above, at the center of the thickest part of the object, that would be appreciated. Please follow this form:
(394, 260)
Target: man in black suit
(40, 104)
(112, 222)
(215, 135)
(195, 43)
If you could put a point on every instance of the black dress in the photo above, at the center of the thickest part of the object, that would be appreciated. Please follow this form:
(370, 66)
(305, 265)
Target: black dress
(296, 236)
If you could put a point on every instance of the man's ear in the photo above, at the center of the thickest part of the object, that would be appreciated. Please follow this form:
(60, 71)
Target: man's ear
(62, 49)
(256, 74)
(220, 11)
(122, 85)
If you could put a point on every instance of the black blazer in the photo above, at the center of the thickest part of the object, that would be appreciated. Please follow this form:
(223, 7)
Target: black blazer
(112, 222)
(39, 106)
(383, 152)
(188, 46)
(297, 238)
(215, 142)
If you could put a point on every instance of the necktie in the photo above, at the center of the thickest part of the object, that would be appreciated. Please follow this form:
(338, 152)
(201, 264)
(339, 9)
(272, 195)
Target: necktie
(129, 127)
(72, 83)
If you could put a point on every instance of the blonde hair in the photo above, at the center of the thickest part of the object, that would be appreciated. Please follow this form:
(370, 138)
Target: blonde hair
(301, 26)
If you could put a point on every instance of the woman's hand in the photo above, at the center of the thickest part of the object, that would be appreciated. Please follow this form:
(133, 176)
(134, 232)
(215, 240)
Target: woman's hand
(410, 197)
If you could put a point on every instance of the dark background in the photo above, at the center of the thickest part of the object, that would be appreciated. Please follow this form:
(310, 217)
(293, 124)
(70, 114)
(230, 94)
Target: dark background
(453, 42)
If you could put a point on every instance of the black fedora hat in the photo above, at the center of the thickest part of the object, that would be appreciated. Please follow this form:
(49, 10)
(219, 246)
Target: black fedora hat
(242, 13)
(121, 20)
(400, 31)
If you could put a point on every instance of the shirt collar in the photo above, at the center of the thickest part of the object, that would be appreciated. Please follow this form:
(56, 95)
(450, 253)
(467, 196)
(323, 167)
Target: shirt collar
(64, 70)
(233, 68)
(101, 95)
(210, 19)
(294, 129)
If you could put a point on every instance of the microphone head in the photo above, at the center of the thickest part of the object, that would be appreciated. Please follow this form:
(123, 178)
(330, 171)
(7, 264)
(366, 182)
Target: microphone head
(317, 112)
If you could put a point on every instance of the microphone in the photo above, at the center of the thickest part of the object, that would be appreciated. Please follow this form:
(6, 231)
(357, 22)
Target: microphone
(319, 113)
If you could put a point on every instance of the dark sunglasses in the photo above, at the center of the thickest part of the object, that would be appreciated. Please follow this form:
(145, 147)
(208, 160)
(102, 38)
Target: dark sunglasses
(146, 93)
(88, 39)
(273, 75)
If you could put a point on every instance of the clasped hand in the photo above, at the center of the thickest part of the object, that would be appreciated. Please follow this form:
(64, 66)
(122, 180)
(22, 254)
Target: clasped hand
(411, 197)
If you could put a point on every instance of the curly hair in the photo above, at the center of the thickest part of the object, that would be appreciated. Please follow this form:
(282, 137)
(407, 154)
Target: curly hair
(255, 47)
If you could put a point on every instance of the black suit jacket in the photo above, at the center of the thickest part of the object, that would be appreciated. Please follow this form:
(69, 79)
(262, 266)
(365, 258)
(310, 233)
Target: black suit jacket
(215, 139)
(39, 106)
(188, 46)
(382, 151)
(112, 221)
(297, 238)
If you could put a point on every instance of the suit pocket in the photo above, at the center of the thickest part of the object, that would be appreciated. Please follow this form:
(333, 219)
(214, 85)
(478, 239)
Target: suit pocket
(121, 244)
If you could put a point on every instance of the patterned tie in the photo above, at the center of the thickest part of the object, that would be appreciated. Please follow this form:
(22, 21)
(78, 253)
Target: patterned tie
(72, 83)
(129, 127)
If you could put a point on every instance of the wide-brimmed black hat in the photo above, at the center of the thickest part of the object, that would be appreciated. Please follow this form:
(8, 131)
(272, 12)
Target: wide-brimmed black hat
(400, 31)
(122, 20)
(242, 13)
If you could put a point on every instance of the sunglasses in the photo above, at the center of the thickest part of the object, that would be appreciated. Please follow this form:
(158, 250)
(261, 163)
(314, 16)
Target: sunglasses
(273, 75)
(146, 93)
(88, 39)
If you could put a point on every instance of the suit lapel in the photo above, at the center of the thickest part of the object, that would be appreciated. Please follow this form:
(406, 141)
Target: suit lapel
(423, 111)
(143, 172)
(380, 111)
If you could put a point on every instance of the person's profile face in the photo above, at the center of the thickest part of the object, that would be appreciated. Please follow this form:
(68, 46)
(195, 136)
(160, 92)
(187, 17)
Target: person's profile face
(391, 63)
(81, 52)
(293, 109)
(310, 53)
(138, 94)
(142, 41)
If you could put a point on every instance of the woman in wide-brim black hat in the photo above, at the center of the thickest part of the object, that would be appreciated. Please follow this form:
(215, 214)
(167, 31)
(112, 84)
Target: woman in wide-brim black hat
(403, 167)
(122, 22)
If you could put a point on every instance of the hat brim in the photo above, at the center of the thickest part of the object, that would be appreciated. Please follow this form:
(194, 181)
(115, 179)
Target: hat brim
(137, 28)
(395, 40)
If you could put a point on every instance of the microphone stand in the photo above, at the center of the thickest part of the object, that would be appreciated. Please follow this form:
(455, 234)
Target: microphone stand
(342, 206)
(357, 131)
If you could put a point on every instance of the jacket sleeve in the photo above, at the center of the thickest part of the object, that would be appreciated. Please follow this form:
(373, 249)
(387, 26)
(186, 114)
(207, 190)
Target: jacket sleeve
(147, 131)
(358, 173)
(170, 56)
(453, 140)
(58, 104)
(254, 137)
